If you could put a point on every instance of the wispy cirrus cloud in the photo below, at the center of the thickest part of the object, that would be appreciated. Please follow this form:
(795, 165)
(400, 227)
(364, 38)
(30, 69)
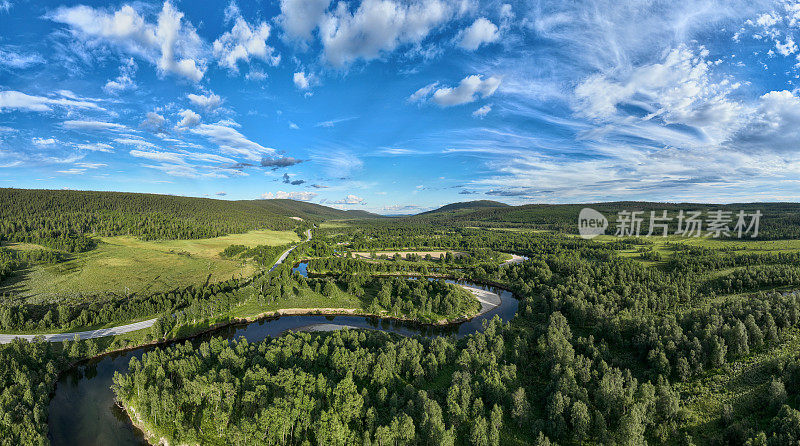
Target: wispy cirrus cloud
(333, 122)
(16, 100)
(231, 141)
(92, 125)
(338, 163)
(282, 195)
(12, 58)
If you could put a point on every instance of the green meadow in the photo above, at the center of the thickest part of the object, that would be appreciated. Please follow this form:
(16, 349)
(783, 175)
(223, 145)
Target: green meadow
(125, 265)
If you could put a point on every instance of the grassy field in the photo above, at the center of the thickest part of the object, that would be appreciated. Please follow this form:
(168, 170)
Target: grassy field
(209, 247)
(129, 265)
(660, 246)
(307, 298)
(23, 246)
(740, 384)
(434, 254)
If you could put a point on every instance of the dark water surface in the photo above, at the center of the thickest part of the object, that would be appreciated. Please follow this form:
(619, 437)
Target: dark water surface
(82, 411)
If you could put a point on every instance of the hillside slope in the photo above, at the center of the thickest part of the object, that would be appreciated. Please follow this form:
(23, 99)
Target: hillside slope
(779, 220)
(310, 211)
(63, 219)
(466, 206)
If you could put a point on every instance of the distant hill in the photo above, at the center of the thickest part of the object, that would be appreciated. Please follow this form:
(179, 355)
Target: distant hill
(465, 206)
(779, 221)
(310, 211)
(64, 219)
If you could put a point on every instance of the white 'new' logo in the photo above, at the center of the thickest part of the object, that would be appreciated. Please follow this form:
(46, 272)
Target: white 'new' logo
(591, 223)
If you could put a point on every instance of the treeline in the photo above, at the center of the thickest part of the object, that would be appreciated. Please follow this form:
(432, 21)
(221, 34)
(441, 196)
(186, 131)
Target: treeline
(339, 389)
(264, 255)
(378, 236)
(419, 299)
(12, 260)
(65, 220)
(756, 277)
(196, 301)
(698, 259)
(423, 300)
(779, 220)
(350, 266)
(685, 345)
(633, 307)
(457, 259)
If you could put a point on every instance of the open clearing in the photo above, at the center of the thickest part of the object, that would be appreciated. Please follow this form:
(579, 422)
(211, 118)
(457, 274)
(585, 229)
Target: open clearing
(23, 246)
(129, 265)
(209, 247)
(659, 245)
(434, 254)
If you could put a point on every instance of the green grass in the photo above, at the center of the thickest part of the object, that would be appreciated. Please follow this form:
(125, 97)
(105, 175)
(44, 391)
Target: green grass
(334, 224)
(660, 245)
(209, 247)
(306, 298)
(24, 246)
(129, 265)
(740, 384)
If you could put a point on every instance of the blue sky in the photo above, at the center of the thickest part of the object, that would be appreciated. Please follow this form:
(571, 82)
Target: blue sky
(399, 106)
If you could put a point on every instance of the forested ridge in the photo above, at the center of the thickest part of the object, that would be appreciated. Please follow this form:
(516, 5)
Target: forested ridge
(779, 220)
(65, 219)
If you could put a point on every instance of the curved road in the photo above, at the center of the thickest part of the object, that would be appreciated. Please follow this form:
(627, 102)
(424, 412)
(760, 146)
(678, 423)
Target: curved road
(103, 332)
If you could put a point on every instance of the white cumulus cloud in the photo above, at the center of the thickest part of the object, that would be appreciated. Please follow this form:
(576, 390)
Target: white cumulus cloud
(377, 27)
(244, 42)
(299, 18)
(483, 111)
(350, 199)
(468, 90)
(43, 141)
(481, 31)
(423, 93)
(171, 44)
(304, 81)
(188, 119)
(210, 101)
(125, 79)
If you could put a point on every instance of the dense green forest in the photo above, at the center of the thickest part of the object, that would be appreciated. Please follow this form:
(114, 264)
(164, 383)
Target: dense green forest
(65, 220)
(621, 341)
(604, 348)
(27, 374)
(779, 220)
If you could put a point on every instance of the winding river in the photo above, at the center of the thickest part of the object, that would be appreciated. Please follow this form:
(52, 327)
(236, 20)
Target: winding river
(82, 410)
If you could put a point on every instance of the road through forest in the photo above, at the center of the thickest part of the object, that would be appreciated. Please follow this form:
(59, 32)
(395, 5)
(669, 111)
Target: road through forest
(103, 332)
